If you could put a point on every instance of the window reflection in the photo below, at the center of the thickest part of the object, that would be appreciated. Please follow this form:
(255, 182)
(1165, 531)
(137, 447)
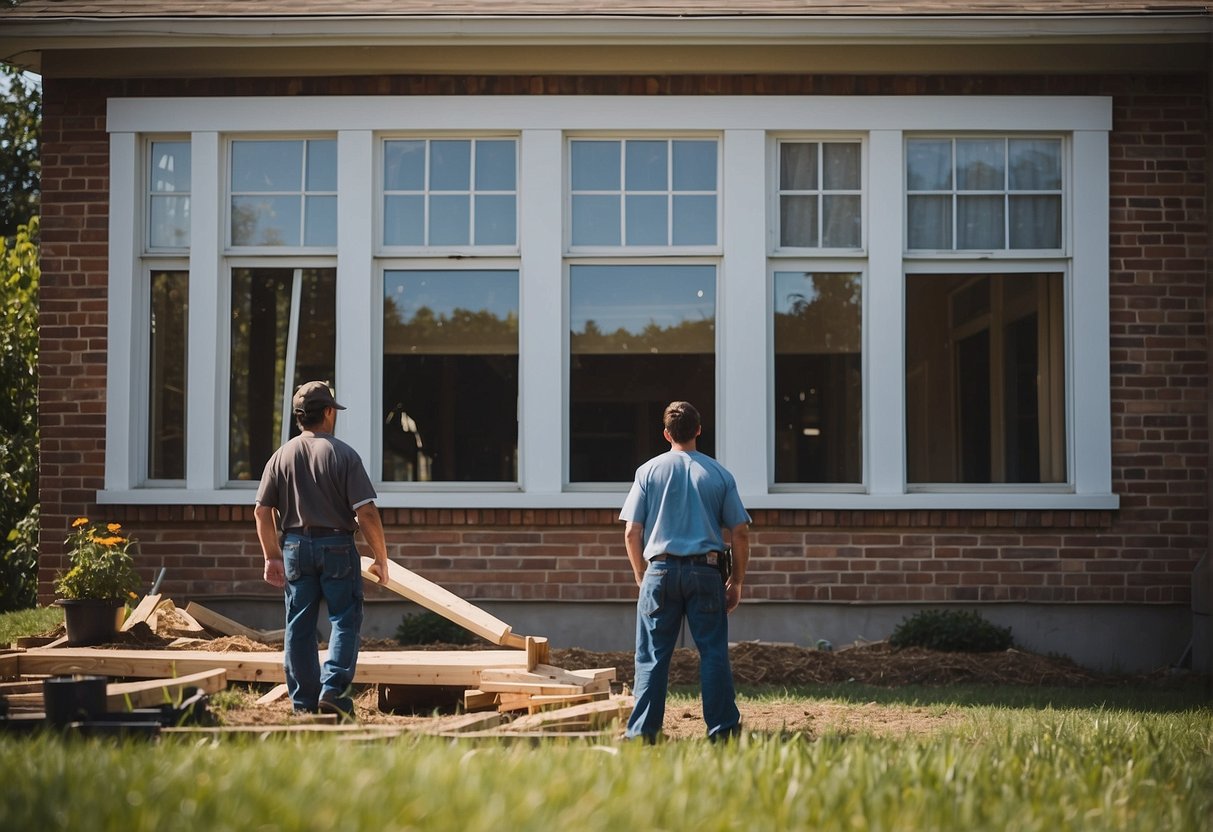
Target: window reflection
(168, 337)
(450, 376)
(641, 336)
(818, 378)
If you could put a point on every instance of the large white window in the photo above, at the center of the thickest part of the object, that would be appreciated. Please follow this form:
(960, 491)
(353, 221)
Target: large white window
(877, 302)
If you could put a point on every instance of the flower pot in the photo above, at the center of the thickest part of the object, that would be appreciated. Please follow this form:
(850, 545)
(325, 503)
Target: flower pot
(73, 698)
(90, 621)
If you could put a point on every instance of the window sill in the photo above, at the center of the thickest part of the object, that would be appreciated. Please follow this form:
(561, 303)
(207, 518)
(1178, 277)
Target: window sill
(936, 501)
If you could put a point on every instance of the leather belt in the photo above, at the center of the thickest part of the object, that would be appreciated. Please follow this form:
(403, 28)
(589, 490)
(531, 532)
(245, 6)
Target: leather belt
(317, 531)
(709, 558)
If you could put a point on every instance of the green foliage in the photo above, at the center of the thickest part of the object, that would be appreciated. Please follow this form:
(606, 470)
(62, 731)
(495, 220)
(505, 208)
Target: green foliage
(957, 630)
(101, 564)
(430, 628)
(1023, 769)
(19, 275)
(20, 132)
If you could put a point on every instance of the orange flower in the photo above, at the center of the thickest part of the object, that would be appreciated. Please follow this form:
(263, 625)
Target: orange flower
(78, 522)
(114, 527)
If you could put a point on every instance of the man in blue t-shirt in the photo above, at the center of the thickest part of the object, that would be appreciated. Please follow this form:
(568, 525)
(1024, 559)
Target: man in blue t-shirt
(679, 505)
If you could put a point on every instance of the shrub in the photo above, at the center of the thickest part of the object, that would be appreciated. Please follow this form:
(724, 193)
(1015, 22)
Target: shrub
(430, 628)
(957, 630)
(102, 568)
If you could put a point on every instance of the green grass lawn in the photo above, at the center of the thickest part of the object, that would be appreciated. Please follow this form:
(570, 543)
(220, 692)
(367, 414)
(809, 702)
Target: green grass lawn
(1095, 759)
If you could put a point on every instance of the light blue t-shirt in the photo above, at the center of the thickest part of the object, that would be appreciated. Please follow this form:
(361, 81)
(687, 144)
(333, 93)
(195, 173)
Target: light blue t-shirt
(683, 499)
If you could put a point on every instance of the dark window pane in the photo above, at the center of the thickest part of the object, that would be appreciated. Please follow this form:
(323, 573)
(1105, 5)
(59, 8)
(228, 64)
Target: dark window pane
(818, 378)
(168, 338)
(261, 315)
(450, 376)
(642, 336)
(985, 379)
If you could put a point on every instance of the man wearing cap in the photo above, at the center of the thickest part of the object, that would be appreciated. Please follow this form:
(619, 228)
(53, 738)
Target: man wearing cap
(675, 514)
(316, 490)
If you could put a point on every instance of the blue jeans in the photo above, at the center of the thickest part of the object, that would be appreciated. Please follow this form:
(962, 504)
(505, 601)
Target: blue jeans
(328, 569)
(671, 590)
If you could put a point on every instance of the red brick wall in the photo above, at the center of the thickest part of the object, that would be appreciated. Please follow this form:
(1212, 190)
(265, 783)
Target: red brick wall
(1142, 553)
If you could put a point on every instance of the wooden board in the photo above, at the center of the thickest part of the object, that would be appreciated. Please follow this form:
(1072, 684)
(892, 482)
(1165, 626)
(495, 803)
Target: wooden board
(122, 696)
(401, 667)
(10, 665)
(479, 700)
(450, 606)
(273, 695)
(228, 627)
(142, 613)
(461, 723)
(577, 717)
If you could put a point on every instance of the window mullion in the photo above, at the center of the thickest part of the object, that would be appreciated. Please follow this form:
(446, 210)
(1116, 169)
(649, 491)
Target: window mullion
(884, 319)
(204, 461)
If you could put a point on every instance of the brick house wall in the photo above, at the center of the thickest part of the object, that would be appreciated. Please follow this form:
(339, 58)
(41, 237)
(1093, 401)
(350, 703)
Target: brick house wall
(1143, 553)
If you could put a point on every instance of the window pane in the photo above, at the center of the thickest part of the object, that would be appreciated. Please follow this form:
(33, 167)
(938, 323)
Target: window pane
(647, 221)
(450, 376)
(694, 166)
(595, 165)
(798, 166)
(1035, 221)
(647, 166)
(267, 166)
(170, 222)
(929, 222)
(1035, 164)
(979, 222)
(798, 221)
(170, 167)
(322, 165)
(450, 165)
(842, 223)
(261, 317)
(265, 221)
(321, 219)
(985, 394)
(694, 221)
(496, 222)
(979, 164)
(167, 340)
(641, 337)
(841, 166)
(450, 218)
(495, 165)
(929, 165)
(595, 220)
(404, 165)
(404, 221)
(818, 378)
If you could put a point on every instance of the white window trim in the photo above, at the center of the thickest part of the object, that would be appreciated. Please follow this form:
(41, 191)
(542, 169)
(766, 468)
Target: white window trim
(543, 123)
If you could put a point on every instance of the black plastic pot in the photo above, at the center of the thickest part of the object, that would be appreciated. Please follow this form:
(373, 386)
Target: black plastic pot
(89, 621)
(73, 698)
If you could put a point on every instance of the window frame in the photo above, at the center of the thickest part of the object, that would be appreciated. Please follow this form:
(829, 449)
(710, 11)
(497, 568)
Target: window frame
(775, 244)
(744, 126)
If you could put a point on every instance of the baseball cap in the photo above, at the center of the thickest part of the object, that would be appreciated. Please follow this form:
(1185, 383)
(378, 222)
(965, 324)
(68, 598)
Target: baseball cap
(314, 395)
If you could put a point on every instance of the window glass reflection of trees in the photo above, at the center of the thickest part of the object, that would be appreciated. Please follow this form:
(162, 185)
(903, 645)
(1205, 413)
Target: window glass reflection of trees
(275, 339)
(641, 336)
(450, 376)
(818, 378)
(168, 336)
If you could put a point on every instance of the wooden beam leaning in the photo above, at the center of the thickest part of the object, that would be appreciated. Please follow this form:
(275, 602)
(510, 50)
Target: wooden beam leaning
(141, 613)
(225, 625)
(450, 606)
(122, 695)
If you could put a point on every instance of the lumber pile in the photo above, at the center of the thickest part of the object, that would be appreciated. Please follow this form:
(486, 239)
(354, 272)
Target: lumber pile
(512, 690)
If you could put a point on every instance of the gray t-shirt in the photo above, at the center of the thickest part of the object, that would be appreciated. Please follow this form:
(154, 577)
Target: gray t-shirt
(683, 499)
(315, 479)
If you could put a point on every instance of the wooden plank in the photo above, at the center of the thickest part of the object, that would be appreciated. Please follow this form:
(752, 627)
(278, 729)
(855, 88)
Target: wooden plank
(532, 688)
(543, 703)
(146, 694)
(225, 625)
(273, 695)
(545, 674)
(593, 714)
(141, 613)
(436, 599)
(461, 723)
(402, 667)
(10, 665)
(507, 702)
(479, 700)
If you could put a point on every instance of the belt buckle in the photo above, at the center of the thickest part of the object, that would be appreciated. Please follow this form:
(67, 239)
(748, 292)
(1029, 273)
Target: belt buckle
(710, 558)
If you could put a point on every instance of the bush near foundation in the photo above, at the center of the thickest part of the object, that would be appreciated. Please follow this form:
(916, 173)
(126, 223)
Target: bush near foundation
(954, 630)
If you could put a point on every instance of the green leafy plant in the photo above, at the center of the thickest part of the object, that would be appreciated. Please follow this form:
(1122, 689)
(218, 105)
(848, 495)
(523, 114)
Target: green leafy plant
(955, 630)
(102, 568)
(431, 628)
